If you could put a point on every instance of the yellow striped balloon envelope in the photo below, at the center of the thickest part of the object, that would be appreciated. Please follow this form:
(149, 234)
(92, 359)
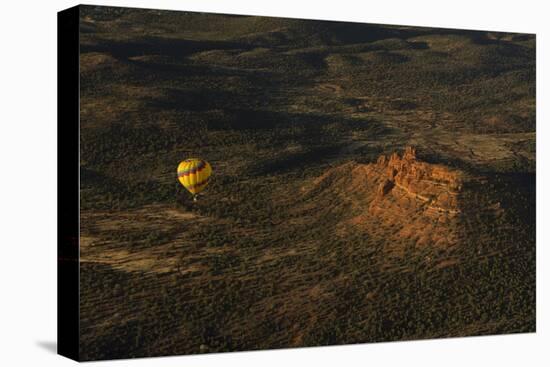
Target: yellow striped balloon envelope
(193, 174)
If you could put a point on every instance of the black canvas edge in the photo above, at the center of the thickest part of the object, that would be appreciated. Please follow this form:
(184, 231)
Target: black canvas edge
(68, 182)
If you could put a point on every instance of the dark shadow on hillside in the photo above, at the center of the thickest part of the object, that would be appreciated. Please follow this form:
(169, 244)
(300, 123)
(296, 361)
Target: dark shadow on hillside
(151, 45)
(290, 162)
(193, 100)
(177, 69)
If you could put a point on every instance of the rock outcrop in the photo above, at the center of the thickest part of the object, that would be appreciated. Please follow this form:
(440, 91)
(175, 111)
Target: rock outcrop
(408, 202)
(435, 185)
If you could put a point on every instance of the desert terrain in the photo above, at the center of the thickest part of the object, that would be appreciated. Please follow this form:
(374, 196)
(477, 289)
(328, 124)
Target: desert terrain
(370, 183)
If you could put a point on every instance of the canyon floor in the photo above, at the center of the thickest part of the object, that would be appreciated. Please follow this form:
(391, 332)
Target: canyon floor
(370, 183)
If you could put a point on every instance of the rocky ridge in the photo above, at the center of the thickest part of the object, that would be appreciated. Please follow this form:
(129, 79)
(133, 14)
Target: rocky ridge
(409, 202)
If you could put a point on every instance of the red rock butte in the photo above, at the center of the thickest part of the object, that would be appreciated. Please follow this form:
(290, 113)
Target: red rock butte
(400, 197)
(435, 185)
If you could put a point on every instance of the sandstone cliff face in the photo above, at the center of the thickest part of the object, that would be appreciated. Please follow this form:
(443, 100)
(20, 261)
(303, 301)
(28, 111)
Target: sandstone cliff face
(410, 203)
(436, 186)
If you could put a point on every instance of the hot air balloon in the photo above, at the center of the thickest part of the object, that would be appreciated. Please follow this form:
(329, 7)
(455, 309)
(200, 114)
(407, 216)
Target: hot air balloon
(193, 174)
